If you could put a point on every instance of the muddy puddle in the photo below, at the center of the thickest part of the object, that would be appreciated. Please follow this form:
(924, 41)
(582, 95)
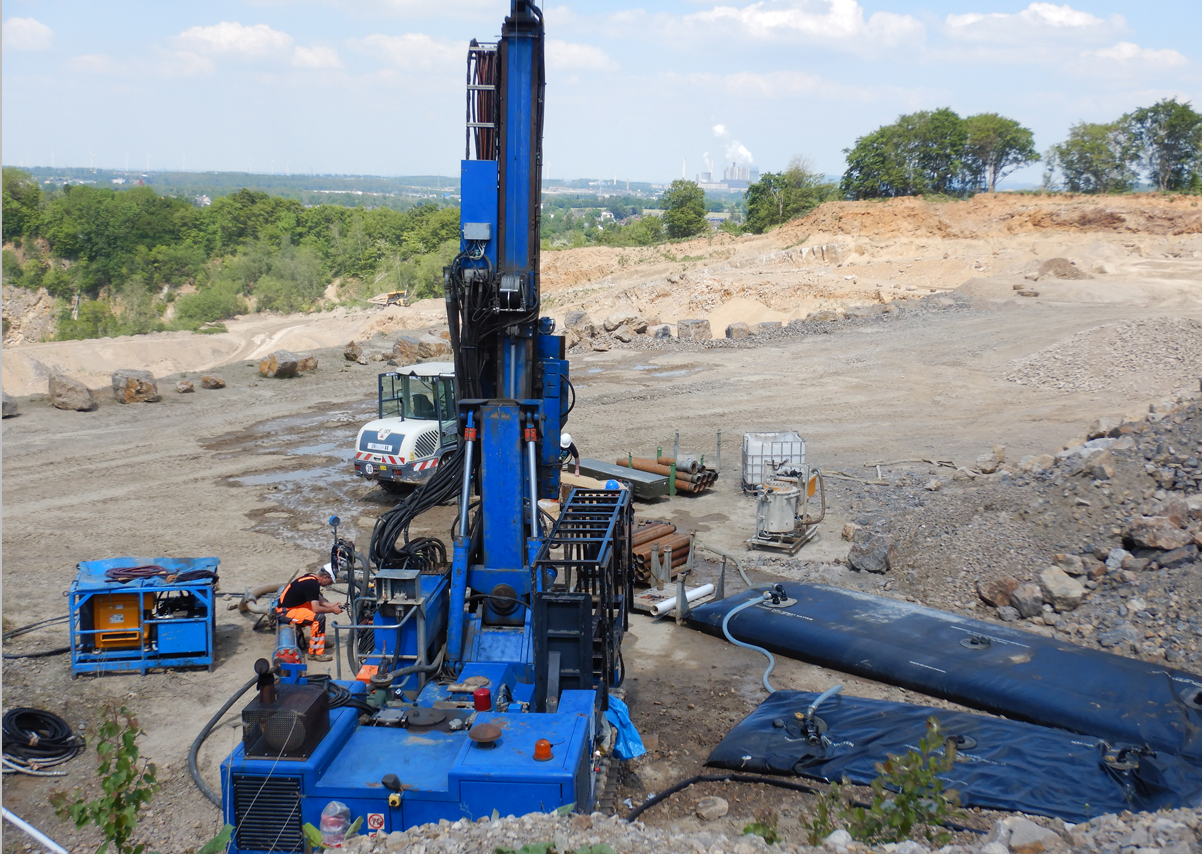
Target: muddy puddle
(314, 479)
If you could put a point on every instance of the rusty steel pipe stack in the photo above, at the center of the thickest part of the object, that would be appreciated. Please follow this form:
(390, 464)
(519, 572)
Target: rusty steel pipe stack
(663, 535)
(685, 481)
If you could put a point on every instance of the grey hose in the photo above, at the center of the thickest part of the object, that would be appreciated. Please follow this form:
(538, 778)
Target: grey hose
(736, 642)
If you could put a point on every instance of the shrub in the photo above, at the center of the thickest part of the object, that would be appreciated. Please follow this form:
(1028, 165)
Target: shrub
(907, 797)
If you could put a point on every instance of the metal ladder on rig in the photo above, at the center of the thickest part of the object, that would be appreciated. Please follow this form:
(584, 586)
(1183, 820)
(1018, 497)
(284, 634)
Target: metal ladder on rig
(587, 585)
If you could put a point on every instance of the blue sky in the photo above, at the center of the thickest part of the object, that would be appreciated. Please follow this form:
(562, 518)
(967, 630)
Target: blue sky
(376, 86)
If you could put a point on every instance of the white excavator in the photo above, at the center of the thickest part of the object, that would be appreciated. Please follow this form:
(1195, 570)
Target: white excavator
(415, 427)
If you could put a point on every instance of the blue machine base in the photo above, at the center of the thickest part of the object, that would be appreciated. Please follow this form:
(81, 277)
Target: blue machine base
(443, 773)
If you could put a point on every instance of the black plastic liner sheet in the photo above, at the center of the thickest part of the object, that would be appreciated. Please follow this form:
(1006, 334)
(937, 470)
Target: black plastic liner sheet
(983, 665)
(1005, 765)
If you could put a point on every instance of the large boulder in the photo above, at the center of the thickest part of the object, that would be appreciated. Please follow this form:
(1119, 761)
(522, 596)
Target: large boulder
(996, 591)
(1175, 507)
(352, 352)
(433, 347)
(131, 386)
(10, 407)
(633, 319)
(279, 365)
(68, 393)
(1027, 599)
(1060, 589)
(738, 331)
(693, 330)
(185, 387)
(624, 334)
(211, 381)
(581, 322)
(662, 332)
(1158, 532)
(872, 554)
(406, 350)
(305, 364)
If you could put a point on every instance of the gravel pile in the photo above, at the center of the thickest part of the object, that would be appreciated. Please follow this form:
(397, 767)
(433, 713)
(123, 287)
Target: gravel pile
(1168, 832)
(1115, 355)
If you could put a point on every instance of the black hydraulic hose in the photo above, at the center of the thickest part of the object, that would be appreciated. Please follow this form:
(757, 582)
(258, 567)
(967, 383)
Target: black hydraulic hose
(659, 797)
(12, 633)
(213, 797)
(36, 739)
(43, 654)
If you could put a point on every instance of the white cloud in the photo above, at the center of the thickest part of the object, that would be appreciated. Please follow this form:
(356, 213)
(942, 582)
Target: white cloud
(840, 21)
(27, 34)
(184, 63)
(1126, 53)
(566, 56)
(317, 56)
(230, 37)
(414, 51)
(95, 63)
(1038, 20)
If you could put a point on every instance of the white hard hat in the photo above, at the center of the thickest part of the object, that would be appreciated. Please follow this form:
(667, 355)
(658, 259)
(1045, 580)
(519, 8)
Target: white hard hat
(565, 440)
(327, 570)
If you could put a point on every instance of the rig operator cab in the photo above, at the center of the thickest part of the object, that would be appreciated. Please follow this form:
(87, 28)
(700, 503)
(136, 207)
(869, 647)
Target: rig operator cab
(415, 426)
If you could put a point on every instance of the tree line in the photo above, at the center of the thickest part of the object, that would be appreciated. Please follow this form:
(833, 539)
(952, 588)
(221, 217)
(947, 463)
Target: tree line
(96, 248)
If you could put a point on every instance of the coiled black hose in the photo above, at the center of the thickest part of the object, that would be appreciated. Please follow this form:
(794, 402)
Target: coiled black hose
(35, 739)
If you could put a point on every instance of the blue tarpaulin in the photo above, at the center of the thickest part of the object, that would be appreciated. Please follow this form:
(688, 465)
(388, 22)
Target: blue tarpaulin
(92, 572)
(1001, 764)
(627, 743)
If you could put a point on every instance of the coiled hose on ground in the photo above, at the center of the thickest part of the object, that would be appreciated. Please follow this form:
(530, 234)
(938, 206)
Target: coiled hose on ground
(35, 740)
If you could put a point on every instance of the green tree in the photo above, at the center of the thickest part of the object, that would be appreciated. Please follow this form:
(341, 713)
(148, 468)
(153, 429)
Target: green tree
(1168, 137)
(1096, 158)
(684, 209)
(22, 205)
(214, 303)
(996, 146)
(920, 153)
(781, 196)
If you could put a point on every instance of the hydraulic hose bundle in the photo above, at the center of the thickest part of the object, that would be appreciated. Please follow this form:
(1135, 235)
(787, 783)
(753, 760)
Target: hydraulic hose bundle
(393, 525)
(35, 740)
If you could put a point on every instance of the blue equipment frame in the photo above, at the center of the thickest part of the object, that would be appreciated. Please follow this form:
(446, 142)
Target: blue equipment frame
(151, 639)
(481, 685)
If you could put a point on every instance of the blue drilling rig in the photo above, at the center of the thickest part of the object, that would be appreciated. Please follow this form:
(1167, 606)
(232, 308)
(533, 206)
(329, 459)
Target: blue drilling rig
(481, 681)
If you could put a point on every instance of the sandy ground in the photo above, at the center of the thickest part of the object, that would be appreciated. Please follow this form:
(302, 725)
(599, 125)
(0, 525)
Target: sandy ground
(250, 472)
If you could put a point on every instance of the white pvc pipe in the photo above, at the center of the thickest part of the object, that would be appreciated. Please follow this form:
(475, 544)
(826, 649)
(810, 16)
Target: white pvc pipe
(661, 608)
(35, 833)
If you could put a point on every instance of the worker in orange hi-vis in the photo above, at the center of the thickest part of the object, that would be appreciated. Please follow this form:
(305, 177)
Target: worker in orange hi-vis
(302, 603)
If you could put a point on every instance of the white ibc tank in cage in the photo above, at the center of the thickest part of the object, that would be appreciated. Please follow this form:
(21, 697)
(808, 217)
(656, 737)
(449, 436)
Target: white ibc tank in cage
(770, 455)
